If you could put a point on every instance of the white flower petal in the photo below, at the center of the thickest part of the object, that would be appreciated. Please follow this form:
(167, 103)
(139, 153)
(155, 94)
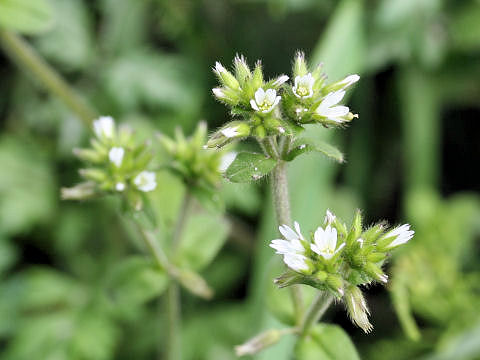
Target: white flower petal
(296, 262)
(402, 235)
(288, 233)
(115, 155)
(270, 96)
(260, 96)
(230, 132)
(280, 80)
(254, 105)
(104, 127)
(145, 181)
(331, 99)
(337, 111)
(349, 80)
(297, 229)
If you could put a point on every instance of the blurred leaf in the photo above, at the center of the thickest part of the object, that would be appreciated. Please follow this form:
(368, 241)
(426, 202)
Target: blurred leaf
(244, 198)
(95, 336)
(8, 254)
(27, 192)
(465, 27)
(26, 16)
(302, 146)
(203, 236)
(342, 47)
(209, 198)
(143, 78)
(136, 280)
(69, 43)
(327, 342)
(248, 167)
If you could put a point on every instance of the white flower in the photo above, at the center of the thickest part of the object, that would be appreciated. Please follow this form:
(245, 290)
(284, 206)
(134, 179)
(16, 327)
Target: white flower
(280, 80)
(296, 262)
(329, 217)
(402, 235)
(292, 249)
(104, 127)
(303, 87)
(265, 101)
(120, 186)
(226, 160)
(145, 181)
(219, 68)
(325, 242)
(116, 155)
(230, 132)
(331, 112)
(348, 81)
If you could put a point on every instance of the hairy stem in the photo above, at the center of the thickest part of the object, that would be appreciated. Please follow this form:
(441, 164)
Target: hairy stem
(282, 208)
(173, 302)
(316, 310)
(26, 56)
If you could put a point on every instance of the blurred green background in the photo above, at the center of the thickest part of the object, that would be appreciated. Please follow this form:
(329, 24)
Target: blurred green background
(66, 291)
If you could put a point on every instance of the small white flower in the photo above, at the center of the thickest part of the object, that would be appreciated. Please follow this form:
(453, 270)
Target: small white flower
(293, 244)
(120, 186)
(265, 101)
(296, 262)
(331, 112)
(348, 81)
(325, 242)
(226, 160)
(402, 235)
(116, 155)
(104, 127)
(280, 80)
(303, 87)
(145, 181)
(230, 132)
(329, 217)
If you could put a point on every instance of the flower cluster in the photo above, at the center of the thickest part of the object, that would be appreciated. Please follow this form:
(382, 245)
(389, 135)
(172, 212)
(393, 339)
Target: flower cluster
(196, 165)
(116, 164)
(276, 107)
(338, 260)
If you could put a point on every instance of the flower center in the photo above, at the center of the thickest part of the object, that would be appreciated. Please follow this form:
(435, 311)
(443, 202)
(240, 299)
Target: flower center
(302, 90)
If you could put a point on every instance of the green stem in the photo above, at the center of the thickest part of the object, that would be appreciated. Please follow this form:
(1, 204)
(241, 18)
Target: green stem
(316, 310)
(282, 208)
(26, 56)
(173, 302)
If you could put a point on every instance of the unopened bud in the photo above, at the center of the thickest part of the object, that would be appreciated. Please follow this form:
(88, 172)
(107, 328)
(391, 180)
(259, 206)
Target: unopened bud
(97, 175)
(242, 71)
(89, 155)
(81, 191)
(357, 308)
(225, 77)
(257, 80)
(335, 283)
(375, 272)
(258, 343)
(299, 65)
(195, 284)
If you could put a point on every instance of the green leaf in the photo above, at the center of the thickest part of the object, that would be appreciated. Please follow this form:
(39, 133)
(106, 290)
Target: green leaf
(209, 198)
(26, 16)
(249, 167)
(327, 342)
(303, 145)
(136, 280)
(203, 237)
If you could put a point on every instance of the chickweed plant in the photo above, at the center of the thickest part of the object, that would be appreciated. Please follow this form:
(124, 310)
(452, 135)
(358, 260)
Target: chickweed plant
(336, 259)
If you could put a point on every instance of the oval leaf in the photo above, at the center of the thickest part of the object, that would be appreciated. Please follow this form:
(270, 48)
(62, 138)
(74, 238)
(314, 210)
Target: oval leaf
(249, 167)
(26, 16)
(327, 342)
(303, 145)
(135, 281)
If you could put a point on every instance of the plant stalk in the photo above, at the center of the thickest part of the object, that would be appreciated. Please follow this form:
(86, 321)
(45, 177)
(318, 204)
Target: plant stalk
(173, 302)
(25, 56)
(282, 208)
(316, 310)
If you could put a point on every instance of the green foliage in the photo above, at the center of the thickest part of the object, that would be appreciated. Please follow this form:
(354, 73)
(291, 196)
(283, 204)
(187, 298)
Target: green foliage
(249, 167)
(134, 281)
(326, 342)
(302, 146)
(29, 17)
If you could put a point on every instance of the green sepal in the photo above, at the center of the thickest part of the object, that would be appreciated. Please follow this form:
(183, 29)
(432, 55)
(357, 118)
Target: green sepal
(249, 167)
(303, 145)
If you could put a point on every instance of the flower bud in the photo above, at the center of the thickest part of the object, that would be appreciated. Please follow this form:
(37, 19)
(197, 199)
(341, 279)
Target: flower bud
(335, 283)
(356, 229)
(89, 155)
(97, 175)
(342, 84)
(375, 272)
(257, 80)
(376, 257)
(299, 65)
(357, 308)
(273, 125)
(194, 283)
(233, 130)
(259, 132)
(225, 77)
(242, 71)
(258, 343)
(81, 191)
